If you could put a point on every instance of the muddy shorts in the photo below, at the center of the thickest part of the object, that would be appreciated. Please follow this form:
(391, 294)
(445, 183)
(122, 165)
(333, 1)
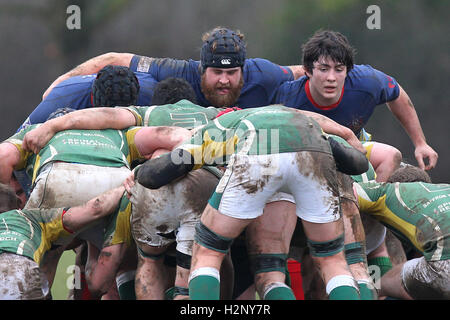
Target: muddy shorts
(61, 184)
(427, 279)
(162, 216)
(250, 181)
(21, 278)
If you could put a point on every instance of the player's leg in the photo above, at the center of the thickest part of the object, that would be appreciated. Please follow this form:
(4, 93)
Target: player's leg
(213, 238)
(268, 239)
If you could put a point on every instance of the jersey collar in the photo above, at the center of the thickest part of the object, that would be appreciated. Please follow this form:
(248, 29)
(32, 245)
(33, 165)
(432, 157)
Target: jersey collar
(310, 98)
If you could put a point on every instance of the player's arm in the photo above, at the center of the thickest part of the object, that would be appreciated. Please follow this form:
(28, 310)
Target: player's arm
(297, 71)
(161, 138)
(403, 109)
(384, 158)
(332, 127)
(79, 217)
(91, 118)
(92, 66)
(10, 157)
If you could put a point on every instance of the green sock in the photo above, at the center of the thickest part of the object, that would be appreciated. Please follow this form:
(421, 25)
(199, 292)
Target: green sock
(280, 293)
(367, 292)
(344, 293)
(168, 294)
(204, 287)
(384, 263)
(126, 290)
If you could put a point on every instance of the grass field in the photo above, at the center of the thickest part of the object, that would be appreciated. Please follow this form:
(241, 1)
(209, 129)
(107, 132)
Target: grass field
(59, 288)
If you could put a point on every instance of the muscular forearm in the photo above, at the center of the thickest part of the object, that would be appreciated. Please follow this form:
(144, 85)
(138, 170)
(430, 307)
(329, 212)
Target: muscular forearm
(403, 109)
(79, 217)
(93, 119)
(332, 127)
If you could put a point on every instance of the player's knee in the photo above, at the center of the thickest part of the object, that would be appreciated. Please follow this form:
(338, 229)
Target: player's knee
(320, 249)
(354, 253)
(207, 238)
(260, 263)
(183, 260)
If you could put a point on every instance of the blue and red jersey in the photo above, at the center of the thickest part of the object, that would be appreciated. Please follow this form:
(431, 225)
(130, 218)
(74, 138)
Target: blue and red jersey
(75, 93)
(261, 77)
(364, 89)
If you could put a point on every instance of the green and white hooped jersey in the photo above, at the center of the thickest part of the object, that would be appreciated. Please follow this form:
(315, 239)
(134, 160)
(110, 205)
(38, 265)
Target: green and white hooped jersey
(181, 114)
(107, 148)
(256, 131)
(418, 211)
(31, 232)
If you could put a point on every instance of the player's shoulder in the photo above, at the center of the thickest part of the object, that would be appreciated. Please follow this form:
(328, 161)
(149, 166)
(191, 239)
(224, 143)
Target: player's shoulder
(260, 64)
(364, 76)
(78, 80)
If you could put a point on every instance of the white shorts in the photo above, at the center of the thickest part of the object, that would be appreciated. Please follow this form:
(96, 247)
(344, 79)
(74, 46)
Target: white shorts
(21, 278)
(61, 184)
(162, 216)
(251, 181)
(424, 279)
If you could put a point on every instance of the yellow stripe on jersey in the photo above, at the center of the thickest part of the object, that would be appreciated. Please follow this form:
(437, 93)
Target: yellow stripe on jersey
(51, 231)
(381, 212)
(133, 150)
(210, 149)
(368, 146)
(122, 232)
(136, 115)
(23, 154)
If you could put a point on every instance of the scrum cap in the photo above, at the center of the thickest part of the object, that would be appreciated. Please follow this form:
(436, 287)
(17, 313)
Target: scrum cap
(223, 49)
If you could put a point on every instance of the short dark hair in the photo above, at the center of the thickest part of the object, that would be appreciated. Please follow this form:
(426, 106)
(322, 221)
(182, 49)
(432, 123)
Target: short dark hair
(330, 44)
(8, 198)
(172, 90)
(409, 173)
(115, 86)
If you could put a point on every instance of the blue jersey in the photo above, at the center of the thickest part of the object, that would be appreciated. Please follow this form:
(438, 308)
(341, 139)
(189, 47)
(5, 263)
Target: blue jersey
(261, 77)
(364, 89)
(75, 93)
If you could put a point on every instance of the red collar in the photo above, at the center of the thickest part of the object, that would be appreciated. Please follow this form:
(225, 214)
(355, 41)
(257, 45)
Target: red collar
(310, 98)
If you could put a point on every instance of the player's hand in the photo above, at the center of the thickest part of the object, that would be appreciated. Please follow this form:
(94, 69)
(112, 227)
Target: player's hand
(355, 143)
(423, 152)
(129, 183)
(37, 138)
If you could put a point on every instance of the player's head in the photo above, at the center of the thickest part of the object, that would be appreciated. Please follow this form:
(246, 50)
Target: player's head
(115, 86)
(409, 173)
(327, 59)
(172, 90)
(60, 112)
(222, 59)
(8, 198)
(327, 44)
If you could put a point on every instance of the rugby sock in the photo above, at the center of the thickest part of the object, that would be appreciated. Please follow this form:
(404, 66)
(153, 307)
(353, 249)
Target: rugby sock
(367, 291)
(342, 287)
(168, 294)
(125, 285)
(204, 284)
(344, 293)
(278, 291)
(384, 263)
